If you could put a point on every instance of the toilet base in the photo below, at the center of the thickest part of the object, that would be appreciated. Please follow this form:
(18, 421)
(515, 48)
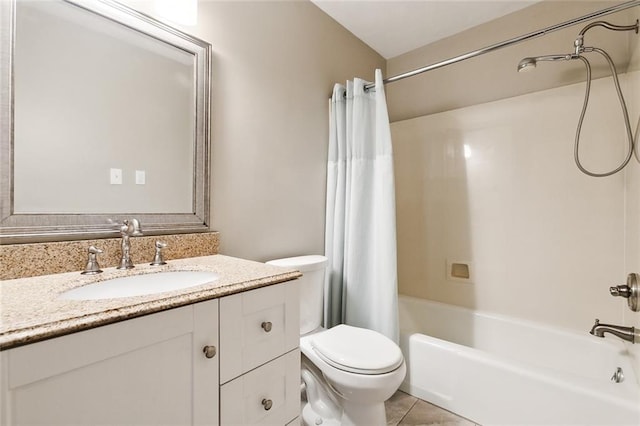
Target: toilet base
(311, 418)
(322, 405)
(355, 414)
(369, 415)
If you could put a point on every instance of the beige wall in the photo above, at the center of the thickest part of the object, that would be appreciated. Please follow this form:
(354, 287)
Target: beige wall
(493, 76)
(274, 66)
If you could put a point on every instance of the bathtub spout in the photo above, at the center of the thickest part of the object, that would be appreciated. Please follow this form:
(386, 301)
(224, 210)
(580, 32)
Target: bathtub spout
(625, 333)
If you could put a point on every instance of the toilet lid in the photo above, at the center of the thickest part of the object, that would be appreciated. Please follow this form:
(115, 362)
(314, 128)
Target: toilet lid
(301, 263)
(357, 350)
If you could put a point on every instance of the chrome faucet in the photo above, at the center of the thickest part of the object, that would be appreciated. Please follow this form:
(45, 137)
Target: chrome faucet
(129, 228)
(625, 333)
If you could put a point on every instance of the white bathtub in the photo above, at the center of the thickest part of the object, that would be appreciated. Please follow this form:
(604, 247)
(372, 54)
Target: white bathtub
(497, 370)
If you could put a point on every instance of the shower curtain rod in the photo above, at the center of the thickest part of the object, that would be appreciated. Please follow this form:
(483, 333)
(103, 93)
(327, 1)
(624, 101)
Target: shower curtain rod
(506, 43)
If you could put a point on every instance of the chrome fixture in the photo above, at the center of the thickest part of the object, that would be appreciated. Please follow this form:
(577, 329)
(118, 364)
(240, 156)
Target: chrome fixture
(625, 333)
(579, 49)
(630, 291)
(92, 266)
(267, 404)
(618, 376)
(209, 351)
(512, 41)
(157, 258)
(528, 64)
(129, 228)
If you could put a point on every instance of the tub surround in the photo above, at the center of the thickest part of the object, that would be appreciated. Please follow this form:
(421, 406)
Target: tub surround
(32, 311)
(507, 170)
(30, 260)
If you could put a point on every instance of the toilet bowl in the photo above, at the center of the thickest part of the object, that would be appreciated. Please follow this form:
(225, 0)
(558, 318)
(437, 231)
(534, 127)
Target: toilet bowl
(347, 372)
(360, 367)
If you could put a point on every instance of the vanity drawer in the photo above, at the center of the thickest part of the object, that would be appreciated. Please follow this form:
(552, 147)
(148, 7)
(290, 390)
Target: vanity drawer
(268, 395)
(257, 326)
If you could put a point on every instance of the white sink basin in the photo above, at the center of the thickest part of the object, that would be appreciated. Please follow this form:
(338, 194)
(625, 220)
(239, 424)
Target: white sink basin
(140, 285)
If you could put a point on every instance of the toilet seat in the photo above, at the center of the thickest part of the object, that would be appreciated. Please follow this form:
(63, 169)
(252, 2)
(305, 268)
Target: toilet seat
(357, 350)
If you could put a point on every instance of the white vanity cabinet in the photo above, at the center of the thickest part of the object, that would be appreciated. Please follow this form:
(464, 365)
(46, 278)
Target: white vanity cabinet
(260, 356)
(147, 370)
(228, 361)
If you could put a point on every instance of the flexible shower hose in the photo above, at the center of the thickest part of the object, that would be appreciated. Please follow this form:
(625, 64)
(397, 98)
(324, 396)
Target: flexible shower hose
(625, 114)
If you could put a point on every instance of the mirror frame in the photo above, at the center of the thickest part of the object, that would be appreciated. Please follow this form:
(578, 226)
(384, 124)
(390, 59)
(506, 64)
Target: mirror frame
(22, 228)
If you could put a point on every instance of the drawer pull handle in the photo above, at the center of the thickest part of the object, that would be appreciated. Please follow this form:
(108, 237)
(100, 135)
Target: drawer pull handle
(209, 351)
(267, 404)
(266, 326)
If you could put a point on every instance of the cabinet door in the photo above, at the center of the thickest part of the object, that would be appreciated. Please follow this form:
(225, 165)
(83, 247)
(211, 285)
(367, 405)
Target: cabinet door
(257, 326)
(147, 370)
(268, 395)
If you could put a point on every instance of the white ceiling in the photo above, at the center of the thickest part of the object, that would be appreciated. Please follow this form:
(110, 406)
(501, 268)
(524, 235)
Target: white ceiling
(394, 27)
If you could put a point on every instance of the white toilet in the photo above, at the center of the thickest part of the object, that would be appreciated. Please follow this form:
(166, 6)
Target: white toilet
(348, 372)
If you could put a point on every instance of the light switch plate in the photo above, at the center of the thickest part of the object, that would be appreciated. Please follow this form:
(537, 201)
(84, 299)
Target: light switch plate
(141, 177)
(115, 176)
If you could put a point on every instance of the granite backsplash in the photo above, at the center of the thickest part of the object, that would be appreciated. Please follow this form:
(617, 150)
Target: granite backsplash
(30, 260)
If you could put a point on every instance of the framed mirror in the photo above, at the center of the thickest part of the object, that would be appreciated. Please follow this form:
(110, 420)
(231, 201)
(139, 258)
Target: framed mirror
(104, 115)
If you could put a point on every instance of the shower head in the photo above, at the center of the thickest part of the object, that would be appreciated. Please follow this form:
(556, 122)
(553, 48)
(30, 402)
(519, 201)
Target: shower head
(528, 64)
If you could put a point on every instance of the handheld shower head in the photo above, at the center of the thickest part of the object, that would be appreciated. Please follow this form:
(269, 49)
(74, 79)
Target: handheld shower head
(527, 64)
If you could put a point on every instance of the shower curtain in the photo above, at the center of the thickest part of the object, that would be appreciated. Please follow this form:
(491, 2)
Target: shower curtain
(360, 235)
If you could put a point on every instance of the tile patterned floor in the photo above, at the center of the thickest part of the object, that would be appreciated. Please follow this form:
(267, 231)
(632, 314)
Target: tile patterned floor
(406, 410)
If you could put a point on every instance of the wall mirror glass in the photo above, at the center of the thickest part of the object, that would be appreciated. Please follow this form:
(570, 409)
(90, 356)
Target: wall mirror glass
(104, 116)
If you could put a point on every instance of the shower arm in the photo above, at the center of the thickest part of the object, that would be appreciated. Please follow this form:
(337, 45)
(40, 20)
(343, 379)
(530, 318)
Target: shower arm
(579, 42)
(609, 26)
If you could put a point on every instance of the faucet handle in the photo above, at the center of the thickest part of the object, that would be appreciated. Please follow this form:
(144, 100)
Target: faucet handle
(620, 290)
(157, 258)
(94, 250)
(92, 266)
(630, 291)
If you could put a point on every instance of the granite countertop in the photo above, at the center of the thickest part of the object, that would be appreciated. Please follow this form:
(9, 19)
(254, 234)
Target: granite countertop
(30, 308)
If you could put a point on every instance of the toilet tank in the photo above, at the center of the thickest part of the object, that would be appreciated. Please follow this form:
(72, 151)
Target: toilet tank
(311, 286)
